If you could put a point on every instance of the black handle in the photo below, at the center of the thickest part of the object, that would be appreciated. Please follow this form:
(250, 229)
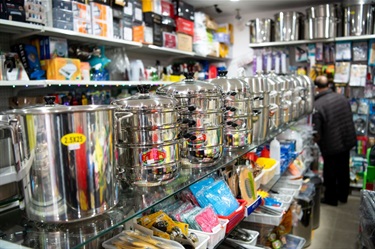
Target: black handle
(189, 76)
(229, 123)
(50, 100)
(234, 125)
(191, 108)
(222, 73)
(144, 88)
(192, 123)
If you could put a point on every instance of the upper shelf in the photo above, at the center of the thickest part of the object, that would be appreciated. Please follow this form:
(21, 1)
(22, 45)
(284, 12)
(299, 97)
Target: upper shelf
(22, 30)
(289, 43)
(45, 83)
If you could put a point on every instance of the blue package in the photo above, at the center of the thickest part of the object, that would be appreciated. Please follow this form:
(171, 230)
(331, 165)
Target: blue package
(194, 188)
(219, 196)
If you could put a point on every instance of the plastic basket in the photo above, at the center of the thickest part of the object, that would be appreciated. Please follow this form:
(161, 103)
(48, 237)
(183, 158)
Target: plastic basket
(108, 244)
(265, 219)
(216, 237)
(294, 242)
(258, 180)
(269, 174)
(286, 191)
(252, 207)
(235, 217)
(253, 242)
(286, 200)
(203, 241)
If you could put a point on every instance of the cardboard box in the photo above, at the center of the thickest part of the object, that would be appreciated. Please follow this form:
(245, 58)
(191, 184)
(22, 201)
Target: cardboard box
(129, 9)
(117, 29)
(153, 21)
(184, 42)
(12, 11)
(82, 26)
(82, 18)
(169, 40)
(139, 33)
(137, 11)
(184, 26)
(35, 12)
(62, 15)
(167, 8)
(151, 6)
(226, 28)
(168, 24)
(63, 69)
(52, 47)
(118, 12)
(105, 2)
(150, 18)
(101, 28)
(63, 25)
(127, 25)
(62, 4)
(211, 24)
(101, 12)
(121, 3)
(184, 10)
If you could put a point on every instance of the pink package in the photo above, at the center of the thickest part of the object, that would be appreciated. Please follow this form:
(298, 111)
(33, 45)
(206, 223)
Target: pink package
(207, 219)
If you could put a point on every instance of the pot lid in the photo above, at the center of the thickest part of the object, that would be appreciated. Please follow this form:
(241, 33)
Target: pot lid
(145, 101)
(51, 108)
(231, 86)
(189, 88)
(257, 83)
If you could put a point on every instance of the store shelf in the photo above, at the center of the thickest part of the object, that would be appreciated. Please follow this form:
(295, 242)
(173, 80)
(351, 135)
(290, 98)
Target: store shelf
(45, 83)
(299, 42)
(23, 30)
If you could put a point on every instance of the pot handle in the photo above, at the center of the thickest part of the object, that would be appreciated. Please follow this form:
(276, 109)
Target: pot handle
(119, 116)
(13, 124)
(50, 100)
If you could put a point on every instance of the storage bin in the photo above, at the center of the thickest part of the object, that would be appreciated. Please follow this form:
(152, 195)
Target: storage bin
(286, 200)
(252, 207)
(265, 218)
(203, 240)
(288, 185)
(294, 242)
(235, 217)
(286, 191)
(253, 242)
(269, 173)
(258, 180)
(215, 237)
(108, 244)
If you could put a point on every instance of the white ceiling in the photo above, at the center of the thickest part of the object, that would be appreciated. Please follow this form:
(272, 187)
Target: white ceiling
(252, 6)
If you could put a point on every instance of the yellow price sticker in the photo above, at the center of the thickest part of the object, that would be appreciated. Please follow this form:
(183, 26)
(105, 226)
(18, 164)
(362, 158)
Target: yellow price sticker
(73, 138)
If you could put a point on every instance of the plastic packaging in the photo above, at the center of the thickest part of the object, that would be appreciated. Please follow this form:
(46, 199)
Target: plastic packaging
(275, 153)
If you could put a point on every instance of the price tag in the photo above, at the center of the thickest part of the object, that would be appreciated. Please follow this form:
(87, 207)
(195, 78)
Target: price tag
(73, 140)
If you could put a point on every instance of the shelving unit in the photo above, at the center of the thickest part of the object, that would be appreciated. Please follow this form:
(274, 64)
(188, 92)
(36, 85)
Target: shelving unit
(299, 42)
(133, 201)
(45, 83)
(23, 30)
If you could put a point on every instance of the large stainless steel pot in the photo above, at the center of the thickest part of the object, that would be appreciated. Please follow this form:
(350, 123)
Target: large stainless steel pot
(259, 92)
(298, 99)
(72, 176)
(286, 99)
(310, 93)
(358, 18)
(200, 106)
(238, 111)
(261, 30)
(275, 103)
(320, 28)
(287, 26)
(323, 10)
(148, 146)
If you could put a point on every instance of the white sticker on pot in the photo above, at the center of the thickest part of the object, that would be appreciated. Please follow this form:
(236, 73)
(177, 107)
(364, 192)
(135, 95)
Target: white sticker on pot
(74, 146)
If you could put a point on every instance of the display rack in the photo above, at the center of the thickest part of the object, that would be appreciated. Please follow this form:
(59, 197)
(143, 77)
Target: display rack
(133, 201)
(45, 83)
(299, 42)
(24, 30)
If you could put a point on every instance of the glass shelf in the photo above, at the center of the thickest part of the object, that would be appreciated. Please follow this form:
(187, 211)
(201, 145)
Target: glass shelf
(133, 201)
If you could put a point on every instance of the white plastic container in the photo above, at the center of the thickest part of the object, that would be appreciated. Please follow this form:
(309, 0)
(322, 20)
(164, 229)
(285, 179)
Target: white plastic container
(269, 173)
(275, 152)
(265, 219)
(253, 242)
(215, 237)
(203, 241)
(258, 180)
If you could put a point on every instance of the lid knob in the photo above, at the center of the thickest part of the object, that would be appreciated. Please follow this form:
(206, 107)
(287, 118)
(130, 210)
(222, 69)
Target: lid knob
(222, 73)
(189, 76)
(50, 100)
(144, 88)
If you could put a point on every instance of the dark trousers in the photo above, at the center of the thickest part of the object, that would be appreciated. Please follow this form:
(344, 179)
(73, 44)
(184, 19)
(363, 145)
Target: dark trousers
(336, 177)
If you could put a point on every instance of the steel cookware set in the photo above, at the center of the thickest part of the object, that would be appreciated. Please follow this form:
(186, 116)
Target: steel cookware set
(352, 18)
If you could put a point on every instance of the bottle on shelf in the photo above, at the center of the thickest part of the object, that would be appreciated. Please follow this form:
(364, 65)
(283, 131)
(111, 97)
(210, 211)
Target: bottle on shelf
(275, 153)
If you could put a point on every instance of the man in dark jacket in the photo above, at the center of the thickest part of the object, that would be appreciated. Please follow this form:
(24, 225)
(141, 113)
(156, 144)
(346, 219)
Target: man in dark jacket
(335, 135)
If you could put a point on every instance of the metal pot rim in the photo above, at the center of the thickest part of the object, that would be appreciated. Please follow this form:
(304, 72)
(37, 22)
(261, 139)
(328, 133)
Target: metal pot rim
(57, 109)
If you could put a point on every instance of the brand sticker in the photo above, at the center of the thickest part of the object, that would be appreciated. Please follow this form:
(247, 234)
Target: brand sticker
(152, 157)
(73, 140)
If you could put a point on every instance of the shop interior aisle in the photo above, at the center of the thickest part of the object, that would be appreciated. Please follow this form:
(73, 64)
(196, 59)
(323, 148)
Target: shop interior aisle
(339, 226)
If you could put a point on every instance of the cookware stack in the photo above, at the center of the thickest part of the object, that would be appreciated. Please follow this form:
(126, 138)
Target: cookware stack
(321, 21)
(276, 94)
(259, 92)
(72, 173)
(358, 17)
(200, 108)
(237, 111)
(147, 141)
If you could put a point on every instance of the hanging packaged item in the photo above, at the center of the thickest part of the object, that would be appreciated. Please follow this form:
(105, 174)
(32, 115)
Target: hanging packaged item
(342, 72)
(358, 74)
(343, 51)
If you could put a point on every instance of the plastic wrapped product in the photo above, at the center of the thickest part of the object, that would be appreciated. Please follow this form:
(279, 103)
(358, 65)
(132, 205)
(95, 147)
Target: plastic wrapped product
(207, 219)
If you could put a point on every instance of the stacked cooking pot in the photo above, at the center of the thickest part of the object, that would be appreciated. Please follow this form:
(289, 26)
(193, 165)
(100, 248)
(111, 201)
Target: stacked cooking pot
(72, 172)
(259, 92)
(275, 94)
(288, 26)
(358, 17)
(261, 30)
(321, 21)
(238, 111)
(200, 109)
(147, 142)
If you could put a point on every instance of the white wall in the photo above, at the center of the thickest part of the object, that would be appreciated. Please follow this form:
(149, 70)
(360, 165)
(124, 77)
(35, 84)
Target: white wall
(241, 52)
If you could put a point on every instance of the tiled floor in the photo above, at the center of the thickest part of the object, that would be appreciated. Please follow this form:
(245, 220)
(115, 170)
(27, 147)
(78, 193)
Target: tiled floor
(339, 226)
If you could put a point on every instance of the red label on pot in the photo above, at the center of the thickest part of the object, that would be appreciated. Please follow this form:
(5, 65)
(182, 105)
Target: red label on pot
(151, 157)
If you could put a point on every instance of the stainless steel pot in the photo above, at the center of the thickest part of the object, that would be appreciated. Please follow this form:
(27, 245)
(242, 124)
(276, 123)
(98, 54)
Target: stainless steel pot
(298, 102)
(286, 99)
(200, 107)
(320, 28)
(238, 110)
(148, 146)
(72, 176)
(310, 93)
(287, 26)
(261, 30)
(358, 18)
(261, 126)
(323, 10)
